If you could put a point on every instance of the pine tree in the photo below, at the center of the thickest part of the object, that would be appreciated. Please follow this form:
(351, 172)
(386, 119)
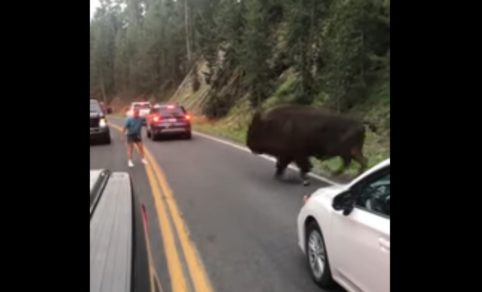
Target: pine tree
(255, 52)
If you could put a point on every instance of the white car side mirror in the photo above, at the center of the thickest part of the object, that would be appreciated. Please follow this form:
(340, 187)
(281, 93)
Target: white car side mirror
(344, 202)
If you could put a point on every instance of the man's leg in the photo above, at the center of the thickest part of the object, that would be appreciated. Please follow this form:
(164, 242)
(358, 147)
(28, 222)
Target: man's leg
(140, 146)
(130, 147)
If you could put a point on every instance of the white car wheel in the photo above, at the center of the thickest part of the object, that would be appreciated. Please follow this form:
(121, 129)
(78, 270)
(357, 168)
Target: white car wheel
(317, 256)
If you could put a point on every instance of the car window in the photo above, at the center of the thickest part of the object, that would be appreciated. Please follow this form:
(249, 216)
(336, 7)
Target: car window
(141, 105)
(165, 110)
(375, 196)
(95, 107)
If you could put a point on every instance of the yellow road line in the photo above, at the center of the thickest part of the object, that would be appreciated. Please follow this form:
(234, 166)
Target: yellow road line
(198, 273)
(196, 269)
(152, 270)
(115, 127)
(178, 280)
(174, 257)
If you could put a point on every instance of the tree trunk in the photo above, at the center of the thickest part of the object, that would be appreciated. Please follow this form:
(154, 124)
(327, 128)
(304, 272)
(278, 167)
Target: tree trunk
(102, 88)
(362, 59)
(188, 35)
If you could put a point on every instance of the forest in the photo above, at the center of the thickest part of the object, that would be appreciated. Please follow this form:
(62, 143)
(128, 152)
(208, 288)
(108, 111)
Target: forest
(227, 58)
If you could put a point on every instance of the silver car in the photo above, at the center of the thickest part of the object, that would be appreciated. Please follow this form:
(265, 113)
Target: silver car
(118, 257)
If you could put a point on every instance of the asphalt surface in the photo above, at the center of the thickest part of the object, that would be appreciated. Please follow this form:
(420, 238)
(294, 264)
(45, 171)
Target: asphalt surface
(241, 220)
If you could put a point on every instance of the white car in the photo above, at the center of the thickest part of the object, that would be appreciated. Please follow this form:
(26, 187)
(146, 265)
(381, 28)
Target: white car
(144, 109)
(344, 231)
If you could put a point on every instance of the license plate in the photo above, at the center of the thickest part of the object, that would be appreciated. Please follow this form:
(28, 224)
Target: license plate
(174, 130)
(172, 120)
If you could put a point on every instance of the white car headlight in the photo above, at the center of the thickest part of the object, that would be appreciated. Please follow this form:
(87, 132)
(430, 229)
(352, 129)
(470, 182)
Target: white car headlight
(102, 123)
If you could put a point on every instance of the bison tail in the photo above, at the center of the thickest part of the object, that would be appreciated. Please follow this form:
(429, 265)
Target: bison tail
(371, 126)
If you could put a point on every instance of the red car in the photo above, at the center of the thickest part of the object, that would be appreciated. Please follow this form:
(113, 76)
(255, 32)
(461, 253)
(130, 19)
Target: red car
(168, 119)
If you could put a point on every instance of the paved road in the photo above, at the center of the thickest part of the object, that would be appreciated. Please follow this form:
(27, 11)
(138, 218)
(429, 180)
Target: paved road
(241, 221)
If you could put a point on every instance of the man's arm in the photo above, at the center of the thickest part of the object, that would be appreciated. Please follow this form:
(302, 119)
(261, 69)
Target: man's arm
(124, 129)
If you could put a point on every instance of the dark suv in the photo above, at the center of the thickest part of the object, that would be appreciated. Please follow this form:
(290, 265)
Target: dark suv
(168, 119)
(98, 124)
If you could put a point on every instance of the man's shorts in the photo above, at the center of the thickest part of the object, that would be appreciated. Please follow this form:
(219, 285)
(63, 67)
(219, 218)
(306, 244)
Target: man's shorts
(134, 139)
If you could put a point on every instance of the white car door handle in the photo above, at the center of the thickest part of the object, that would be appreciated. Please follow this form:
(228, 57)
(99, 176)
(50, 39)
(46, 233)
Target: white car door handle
(384, 244)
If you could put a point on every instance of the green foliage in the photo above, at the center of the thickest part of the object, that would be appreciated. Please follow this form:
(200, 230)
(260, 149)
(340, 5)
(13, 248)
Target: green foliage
(356, 42)
(284, 93)
(304, 19)
(137, 47)
(337, 51)
(256, 49)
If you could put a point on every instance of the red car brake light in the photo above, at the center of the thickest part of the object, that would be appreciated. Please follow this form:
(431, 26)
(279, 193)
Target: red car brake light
(187, 117)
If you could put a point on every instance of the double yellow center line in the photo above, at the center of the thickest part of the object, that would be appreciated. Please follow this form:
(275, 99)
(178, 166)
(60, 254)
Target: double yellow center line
(163, 196)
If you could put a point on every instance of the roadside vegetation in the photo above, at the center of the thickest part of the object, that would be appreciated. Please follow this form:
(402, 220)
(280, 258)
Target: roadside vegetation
(224, 59)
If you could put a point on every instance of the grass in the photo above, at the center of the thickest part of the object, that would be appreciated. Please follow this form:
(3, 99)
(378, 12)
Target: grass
(284, 93)
(233, 127)
(222, 131)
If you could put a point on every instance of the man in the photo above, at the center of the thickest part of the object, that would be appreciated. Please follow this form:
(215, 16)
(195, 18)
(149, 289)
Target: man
(133, 128)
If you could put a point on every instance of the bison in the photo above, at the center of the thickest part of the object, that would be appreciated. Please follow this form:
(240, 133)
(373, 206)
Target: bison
(296, 133)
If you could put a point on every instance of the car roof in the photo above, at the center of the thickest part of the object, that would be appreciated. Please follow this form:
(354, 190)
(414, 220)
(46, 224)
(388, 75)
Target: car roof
(385, 163)
(157, 105)
(381, 165)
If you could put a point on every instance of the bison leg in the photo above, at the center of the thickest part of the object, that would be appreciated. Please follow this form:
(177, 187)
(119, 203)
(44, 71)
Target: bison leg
(346, 163)
(363, 163)
(304, 165)
(358, 156)
(281, 165)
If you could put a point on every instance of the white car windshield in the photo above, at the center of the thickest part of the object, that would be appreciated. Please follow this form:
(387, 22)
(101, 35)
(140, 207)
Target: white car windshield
(142, 106)
(95, 107)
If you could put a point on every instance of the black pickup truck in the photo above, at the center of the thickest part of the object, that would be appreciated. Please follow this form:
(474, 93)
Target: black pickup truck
(99, 131)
